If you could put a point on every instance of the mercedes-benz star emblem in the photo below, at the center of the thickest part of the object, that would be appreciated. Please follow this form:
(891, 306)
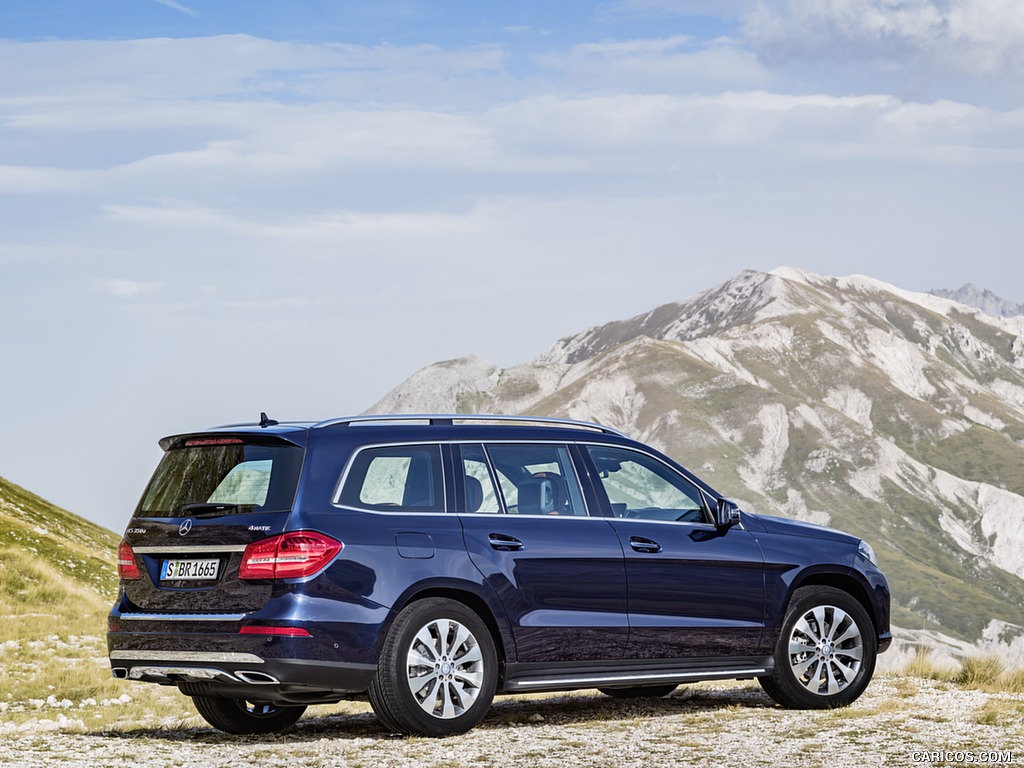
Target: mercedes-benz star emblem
(184, 528)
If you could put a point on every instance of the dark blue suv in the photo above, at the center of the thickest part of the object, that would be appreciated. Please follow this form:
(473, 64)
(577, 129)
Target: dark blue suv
(430, 562)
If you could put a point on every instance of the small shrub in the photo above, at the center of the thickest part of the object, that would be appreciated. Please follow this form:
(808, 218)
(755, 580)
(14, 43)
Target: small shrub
(925, 664)
(982, 671)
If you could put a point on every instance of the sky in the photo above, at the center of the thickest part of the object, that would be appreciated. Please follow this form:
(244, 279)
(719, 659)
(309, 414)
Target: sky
(212, 208)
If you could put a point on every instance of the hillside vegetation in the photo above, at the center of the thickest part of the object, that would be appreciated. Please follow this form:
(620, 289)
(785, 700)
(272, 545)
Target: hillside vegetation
(58, 579)
(53, 565)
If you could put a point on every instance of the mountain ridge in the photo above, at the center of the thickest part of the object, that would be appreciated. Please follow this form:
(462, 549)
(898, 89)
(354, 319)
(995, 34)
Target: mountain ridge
(981, 298)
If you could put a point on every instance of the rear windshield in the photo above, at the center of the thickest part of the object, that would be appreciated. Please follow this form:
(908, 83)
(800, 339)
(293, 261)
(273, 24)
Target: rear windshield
(222, 477)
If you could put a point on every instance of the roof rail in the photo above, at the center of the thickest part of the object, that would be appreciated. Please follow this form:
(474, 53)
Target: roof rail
(448, 419)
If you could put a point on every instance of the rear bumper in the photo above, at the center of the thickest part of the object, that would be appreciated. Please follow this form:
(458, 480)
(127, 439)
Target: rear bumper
(207, 655)
(245, 676)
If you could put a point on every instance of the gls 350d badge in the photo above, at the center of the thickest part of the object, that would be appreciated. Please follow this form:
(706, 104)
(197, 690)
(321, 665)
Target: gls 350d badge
(185, 527)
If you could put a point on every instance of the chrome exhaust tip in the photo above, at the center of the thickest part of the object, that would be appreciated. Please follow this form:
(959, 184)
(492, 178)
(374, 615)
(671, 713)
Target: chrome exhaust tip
(256, 678)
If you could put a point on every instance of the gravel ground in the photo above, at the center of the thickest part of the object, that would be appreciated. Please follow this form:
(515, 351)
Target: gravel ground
(707, 725)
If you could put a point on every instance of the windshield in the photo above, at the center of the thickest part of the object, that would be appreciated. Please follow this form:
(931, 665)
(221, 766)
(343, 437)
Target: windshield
(224, 476)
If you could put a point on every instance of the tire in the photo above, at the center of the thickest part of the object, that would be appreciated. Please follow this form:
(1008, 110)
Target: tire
(437, 671)
(242, 717)
(640, 691)
(825, 655)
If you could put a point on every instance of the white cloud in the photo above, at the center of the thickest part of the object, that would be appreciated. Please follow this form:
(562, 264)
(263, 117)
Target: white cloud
(179, 7)
(977, 37)
(127, 289)
(676, 64)
(235, 65)
(639, 9)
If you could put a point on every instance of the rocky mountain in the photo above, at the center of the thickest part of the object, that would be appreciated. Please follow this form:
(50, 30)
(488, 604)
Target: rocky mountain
(982, 299)
(897, 416)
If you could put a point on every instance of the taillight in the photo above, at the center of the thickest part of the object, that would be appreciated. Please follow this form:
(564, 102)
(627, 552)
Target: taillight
(127, 568)
(288, 556)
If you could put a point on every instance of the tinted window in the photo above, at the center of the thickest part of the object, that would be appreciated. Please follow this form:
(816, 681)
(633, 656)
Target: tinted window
(537, 479)
(641, 487)
(404, 478)
(480, 493)
(228, 473)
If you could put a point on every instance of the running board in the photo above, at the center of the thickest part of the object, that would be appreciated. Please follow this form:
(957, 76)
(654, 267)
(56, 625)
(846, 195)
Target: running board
(555, 677)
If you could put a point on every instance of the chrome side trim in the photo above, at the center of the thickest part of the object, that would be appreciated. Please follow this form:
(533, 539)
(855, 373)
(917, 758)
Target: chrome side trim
(199, 549)
(182, 616)
(188, 657)
(662, 676)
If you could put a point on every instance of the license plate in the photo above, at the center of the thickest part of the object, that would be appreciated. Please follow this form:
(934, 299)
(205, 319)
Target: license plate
(189, 570)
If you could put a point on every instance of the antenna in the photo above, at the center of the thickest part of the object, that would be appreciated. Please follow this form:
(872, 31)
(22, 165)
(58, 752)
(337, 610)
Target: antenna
(265, 421)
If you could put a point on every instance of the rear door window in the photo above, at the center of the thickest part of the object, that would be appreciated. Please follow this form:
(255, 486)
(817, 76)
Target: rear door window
(537, 479)
(479, 491)
(398, 478)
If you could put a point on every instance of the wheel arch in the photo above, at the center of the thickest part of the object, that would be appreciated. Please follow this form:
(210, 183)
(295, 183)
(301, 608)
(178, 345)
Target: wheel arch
(841, 581)
(503, 644)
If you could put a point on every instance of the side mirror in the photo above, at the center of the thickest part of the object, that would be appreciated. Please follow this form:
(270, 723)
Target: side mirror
(727, 514)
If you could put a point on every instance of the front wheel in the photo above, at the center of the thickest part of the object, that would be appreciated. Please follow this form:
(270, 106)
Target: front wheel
(826, 652)
(244, 717)
(437, 671)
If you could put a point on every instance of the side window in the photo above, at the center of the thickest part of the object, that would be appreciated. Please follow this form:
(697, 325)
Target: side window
(641, 487)
(479, 491)
(401, 478)
(537, 479)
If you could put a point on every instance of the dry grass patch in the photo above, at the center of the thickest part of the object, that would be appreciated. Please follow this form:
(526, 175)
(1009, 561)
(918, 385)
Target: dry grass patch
(990, 673)
(999, 712)
(984, 672)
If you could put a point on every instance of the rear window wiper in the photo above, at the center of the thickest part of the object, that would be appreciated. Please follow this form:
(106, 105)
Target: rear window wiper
(213, 509)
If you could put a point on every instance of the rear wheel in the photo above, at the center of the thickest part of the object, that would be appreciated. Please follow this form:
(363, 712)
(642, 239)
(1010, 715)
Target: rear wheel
(640, 691)
(437, 671)
(826, 652)
(240, 716)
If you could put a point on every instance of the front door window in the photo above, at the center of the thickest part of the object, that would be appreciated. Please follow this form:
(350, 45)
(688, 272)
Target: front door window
(641, 488)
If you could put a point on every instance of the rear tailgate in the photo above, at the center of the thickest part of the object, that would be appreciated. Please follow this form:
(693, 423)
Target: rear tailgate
(210, 497)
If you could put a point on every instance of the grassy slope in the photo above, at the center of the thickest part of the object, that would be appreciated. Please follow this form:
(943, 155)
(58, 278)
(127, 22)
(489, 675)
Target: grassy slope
(58, 579)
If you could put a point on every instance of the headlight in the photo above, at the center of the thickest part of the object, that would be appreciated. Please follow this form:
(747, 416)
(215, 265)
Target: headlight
(865, 549)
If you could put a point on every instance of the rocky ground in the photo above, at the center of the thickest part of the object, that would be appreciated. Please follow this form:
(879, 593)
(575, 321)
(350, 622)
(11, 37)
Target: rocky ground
(899, 721)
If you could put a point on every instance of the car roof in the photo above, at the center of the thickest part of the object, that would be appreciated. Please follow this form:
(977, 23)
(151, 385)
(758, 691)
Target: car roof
(436, 424)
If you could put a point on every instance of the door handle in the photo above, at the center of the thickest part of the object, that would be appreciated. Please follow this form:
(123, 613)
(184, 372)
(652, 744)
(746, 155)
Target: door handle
(640, 544)
(503, 543)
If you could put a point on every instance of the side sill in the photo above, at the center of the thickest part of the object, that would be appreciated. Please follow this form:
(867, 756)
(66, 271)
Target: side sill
(521, 678)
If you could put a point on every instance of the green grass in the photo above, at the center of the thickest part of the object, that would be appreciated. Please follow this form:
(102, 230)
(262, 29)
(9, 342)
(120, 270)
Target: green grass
(72, 546)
